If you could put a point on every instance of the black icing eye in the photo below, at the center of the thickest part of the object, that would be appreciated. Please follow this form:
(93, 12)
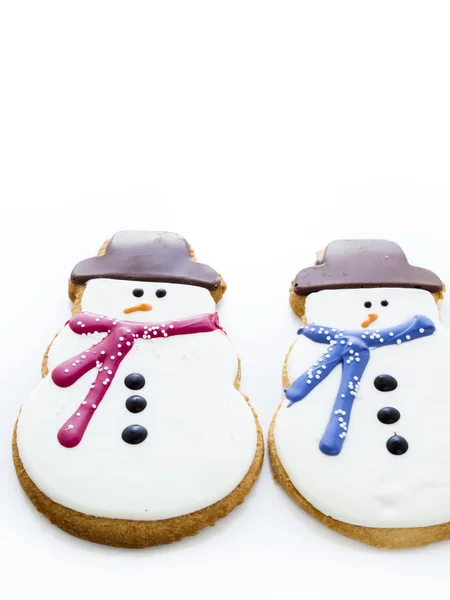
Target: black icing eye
(160, 293)
(367, 304)
(138, 292)
(384, 303)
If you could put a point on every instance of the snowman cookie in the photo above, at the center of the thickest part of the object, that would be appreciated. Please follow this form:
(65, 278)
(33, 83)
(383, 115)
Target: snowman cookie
(137, 434)
(362, 438)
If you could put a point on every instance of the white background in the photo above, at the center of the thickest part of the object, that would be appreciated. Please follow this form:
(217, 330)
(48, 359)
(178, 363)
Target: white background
(261, 131)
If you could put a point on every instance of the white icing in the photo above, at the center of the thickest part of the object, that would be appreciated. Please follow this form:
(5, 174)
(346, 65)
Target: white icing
(201, 432)
(345, 308)
(365, 484)
(110, 296)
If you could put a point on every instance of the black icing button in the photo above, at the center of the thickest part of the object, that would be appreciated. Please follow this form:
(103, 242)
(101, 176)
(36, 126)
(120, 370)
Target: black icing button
(135, 381)
(385, 383)
(134, 434)
(136, 404)
(388, 415)
(397, 445)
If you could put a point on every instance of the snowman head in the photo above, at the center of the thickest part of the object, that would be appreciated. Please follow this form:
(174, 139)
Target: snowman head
(364, 284)
(145, 276)
(145, 301)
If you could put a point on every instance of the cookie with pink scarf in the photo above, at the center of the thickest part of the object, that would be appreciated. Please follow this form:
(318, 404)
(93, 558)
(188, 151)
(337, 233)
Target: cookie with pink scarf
(137, 434)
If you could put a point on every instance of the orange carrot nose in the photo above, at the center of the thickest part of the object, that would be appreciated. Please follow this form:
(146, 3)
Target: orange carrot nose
(371, 317)
(132, 309)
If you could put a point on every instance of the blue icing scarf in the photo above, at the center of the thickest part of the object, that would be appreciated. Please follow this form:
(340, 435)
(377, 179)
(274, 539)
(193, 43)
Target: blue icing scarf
(352, 349)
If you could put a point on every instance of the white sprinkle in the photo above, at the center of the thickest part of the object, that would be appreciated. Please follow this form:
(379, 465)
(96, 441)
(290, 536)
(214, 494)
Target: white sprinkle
(312, 329)
(342, 341)
(328, 338)
(341, 419)
(74, 364)
(79, 322)
(69, 426)
(351, 351)
(324, 366)
(78, 414)
(128, 343)
(308, 381)
(128, 330)
(66, 370)
(112, 357)
(342, 395)
(84, 401)
(381, 340)
(317, 376)
(399, 341)
(326, 332)
(355, 378)
(348, 361)
(170, 326)
(102, 352)
(357, 359)
(391, 333)
(94, 406)
(92, 386)
(155, 333)
(119, 354)
(83, 356)
(319, 372)
(421, 330)
(83, 325)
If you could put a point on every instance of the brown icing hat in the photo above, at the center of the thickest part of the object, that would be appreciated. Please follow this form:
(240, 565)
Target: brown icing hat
(147, 256)
(362, 264)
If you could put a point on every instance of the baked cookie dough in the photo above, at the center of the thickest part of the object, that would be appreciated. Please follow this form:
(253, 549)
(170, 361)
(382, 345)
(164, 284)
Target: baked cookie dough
(137, 434)
(362, 439)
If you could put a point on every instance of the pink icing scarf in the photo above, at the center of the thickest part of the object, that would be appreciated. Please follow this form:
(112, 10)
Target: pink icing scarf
(107, 355)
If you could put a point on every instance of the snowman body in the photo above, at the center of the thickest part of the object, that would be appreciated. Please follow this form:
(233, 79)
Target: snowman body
(201, 433)
(365, 484)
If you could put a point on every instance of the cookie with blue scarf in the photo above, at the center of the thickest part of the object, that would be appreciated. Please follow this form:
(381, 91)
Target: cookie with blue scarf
(348, 442)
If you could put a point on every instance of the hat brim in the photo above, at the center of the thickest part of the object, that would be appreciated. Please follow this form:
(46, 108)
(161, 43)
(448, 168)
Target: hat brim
(315, 279)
